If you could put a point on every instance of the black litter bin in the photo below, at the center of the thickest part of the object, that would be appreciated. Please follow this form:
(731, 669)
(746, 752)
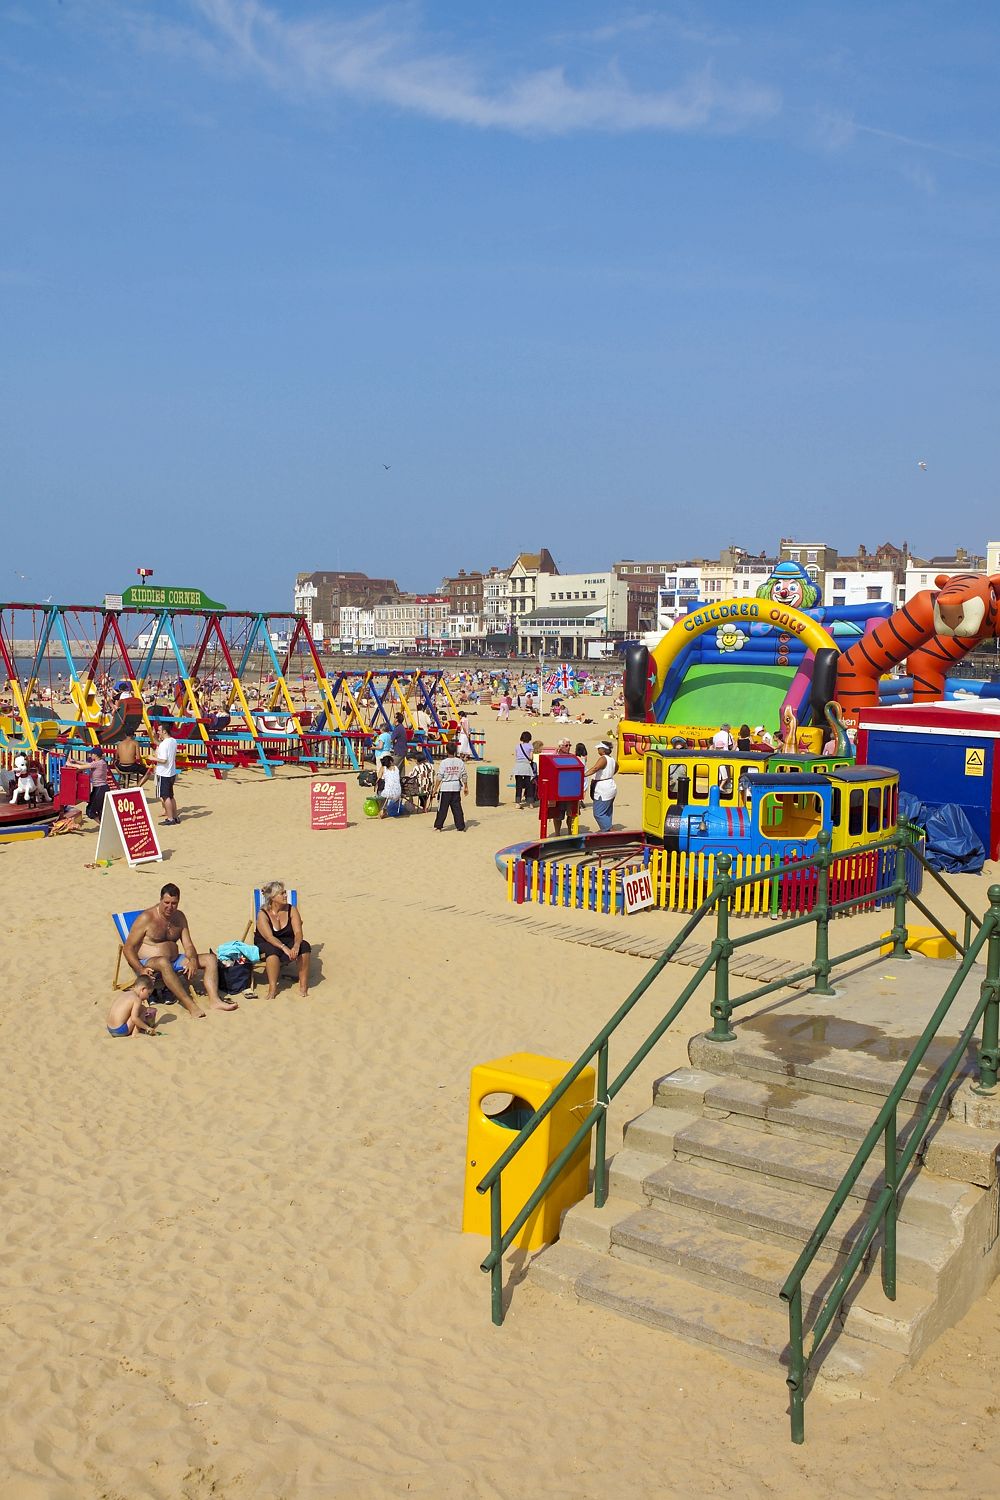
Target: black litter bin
(487, 786)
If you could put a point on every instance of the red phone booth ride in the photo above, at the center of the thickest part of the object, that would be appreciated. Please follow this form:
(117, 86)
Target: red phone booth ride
(560, 780)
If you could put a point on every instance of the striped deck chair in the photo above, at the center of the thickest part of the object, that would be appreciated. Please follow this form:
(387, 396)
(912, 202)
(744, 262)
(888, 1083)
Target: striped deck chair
(123, 925)
(293, 900)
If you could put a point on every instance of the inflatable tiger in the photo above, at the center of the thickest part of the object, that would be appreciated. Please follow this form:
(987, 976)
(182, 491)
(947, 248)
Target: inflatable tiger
(931, 632)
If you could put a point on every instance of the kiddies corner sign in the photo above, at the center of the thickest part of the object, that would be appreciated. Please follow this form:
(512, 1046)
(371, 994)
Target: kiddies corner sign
(146, 596)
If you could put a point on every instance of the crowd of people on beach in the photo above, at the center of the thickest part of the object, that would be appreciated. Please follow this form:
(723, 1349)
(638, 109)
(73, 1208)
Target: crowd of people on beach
(160, 949)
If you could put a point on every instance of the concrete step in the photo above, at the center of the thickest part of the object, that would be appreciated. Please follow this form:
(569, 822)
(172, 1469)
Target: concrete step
(741, 1146)
(950, 1149)
(750, 1334)
(712, 1255)
(655, 1130)
(822, 1055)
(761, 1211)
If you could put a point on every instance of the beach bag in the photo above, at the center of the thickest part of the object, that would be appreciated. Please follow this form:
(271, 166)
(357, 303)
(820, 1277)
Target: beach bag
(367, 778)
(234, 977)
(371, 807)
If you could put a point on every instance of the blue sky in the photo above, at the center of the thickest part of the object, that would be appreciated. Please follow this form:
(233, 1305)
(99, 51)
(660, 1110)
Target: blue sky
(622, 280)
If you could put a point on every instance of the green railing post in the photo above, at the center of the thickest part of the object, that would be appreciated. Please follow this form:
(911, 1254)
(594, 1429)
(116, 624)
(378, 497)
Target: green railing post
(796, 1368)
(601, 1132)
(821, 912)
(989, 1051)
(899, 933)
(496, 1271)
(722, 1005)
(889, 1226)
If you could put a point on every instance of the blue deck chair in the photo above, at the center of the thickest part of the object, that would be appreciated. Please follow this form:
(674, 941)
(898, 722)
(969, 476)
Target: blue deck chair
(123, 924)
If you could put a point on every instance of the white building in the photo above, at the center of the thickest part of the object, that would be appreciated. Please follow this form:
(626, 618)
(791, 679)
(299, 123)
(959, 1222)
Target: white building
(305, 595)
(521, 595)
(463, 629)
(859, 586)
(678, 594)
(357, 626)
(496, 616)
(573, 609)
(749, 573)
(924, 575)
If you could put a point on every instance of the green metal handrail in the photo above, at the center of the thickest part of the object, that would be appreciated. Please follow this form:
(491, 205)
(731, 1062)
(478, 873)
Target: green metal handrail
(722, 1007)
(971, 920)
(883, 1214)
(596, 1119)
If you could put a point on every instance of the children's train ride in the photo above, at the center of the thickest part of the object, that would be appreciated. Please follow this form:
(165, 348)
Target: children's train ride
(771, 804)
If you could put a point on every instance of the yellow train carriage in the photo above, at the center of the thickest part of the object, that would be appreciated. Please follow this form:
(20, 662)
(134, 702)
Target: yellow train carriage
(719, 801)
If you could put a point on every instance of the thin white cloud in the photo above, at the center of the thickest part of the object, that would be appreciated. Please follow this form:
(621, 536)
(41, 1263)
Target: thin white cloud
(645, 21)
(381, 58)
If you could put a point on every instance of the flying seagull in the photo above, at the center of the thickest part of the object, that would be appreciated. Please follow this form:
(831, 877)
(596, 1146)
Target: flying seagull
(387, 466)
(921, 465)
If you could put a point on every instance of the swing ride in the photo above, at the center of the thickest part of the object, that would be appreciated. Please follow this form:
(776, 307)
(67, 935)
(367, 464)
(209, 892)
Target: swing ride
(238, 687)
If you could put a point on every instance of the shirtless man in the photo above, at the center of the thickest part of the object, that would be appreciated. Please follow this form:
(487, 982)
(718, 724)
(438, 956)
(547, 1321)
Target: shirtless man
(153, 944)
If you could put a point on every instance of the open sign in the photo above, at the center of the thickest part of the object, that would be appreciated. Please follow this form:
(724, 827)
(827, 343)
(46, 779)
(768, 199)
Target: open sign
(637, 890)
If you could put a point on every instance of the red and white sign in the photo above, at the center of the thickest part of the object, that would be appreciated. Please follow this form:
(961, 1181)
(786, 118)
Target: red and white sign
(127, 828)
(328, 804)
(637, 890)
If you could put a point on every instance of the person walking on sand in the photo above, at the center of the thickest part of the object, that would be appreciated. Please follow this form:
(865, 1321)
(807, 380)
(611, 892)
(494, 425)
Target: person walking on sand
(452, 783)
(154, 945)
(165, 769)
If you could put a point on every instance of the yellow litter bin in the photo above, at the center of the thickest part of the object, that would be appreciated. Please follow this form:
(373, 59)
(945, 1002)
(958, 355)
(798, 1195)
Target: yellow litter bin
(502, 1098)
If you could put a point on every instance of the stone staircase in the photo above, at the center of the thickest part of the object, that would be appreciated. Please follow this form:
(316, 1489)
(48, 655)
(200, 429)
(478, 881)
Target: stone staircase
(722, 1181)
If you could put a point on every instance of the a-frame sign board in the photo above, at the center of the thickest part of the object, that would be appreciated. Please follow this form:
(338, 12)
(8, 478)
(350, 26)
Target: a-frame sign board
(127, 828)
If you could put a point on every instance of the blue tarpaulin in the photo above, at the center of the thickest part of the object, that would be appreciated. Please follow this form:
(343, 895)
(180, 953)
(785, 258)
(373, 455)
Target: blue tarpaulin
(952, 843)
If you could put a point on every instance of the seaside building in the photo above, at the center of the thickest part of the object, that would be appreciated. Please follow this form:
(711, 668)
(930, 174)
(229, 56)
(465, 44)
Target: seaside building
(464, 592)
(574, 611)
(643, 581)
(680, 591)
(407, 623)
(321, 596)
(496, 616)
(859, 586)
(749, 570)
(815, 557)
(521, 594)
(920, 573)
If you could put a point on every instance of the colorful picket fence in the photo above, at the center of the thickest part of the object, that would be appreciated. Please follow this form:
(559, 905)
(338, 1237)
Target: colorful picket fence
(682, 881)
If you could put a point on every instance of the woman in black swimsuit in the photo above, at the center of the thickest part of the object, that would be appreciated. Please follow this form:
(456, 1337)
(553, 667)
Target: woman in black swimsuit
(278, 935)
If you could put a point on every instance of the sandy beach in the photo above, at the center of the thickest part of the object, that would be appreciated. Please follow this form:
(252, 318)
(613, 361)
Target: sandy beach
(232, 1263)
